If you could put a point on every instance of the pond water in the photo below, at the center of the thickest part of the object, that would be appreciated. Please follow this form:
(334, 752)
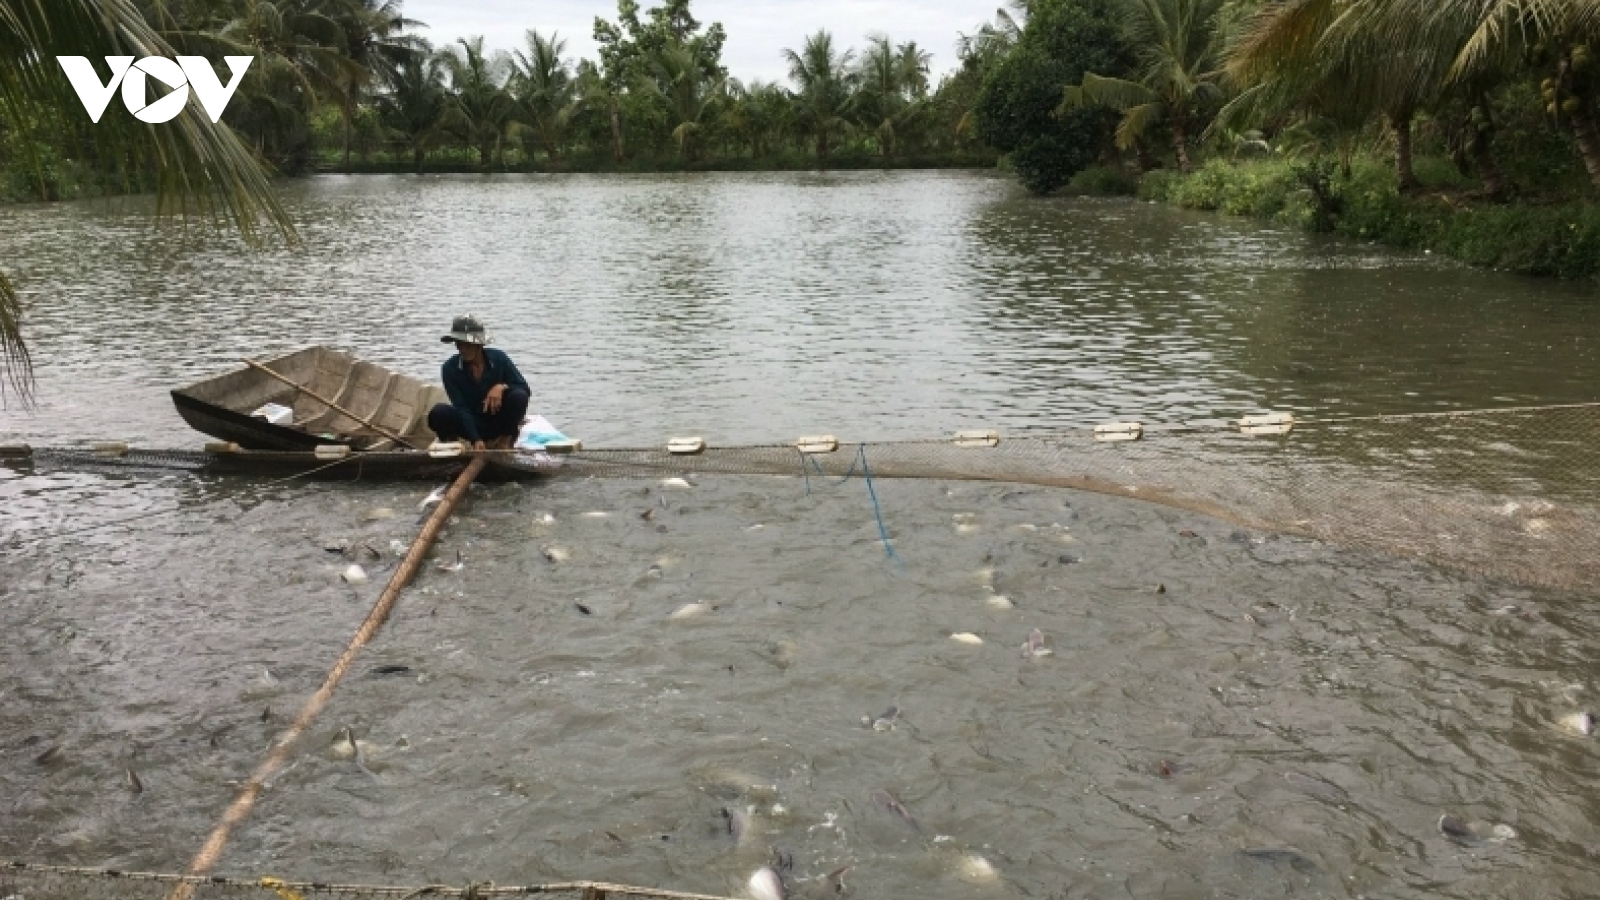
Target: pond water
(1283, 718)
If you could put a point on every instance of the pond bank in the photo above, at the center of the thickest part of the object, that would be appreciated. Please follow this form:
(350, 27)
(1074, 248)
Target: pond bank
(1553, 237)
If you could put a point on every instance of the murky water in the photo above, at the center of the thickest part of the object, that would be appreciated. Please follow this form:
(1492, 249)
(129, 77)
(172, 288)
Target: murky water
(1165, 735)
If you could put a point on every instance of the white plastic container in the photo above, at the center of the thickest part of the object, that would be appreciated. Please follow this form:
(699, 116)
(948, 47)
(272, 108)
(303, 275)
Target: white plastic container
(275, 414)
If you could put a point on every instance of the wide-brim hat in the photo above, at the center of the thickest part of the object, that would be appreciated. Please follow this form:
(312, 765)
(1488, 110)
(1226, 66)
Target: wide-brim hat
(466, 330)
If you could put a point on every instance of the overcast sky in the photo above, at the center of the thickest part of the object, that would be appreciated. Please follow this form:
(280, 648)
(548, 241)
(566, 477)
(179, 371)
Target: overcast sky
(758, 30)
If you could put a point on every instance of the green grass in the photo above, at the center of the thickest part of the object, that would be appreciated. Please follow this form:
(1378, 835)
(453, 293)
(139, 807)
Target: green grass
(1560, 237)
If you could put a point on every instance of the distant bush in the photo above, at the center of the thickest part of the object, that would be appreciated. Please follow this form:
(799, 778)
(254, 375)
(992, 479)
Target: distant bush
(1105, 181)
(1560, 239)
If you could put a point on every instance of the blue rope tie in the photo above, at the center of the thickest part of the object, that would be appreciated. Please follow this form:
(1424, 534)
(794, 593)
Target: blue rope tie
(807, 463)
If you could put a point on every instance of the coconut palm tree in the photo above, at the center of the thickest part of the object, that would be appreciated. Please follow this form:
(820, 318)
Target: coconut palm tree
(377, 43)
(480, 107)
(545, 89)
(993, 40)
(415, 105)
(825, 87)
(758, 111)
(1177, 44)
(193, 164)
(679, 81)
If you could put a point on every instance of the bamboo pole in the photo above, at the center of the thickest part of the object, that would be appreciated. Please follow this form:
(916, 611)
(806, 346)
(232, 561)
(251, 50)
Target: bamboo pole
(332, 405)
(240, 809)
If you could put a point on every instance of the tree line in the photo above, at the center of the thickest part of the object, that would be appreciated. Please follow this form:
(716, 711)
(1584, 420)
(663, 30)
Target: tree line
(1158, 82)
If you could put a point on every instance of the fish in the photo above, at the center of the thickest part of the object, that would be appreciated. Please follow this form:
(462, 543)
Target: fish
(765, 885)
(887, 800)
(557, 554)
(583, 609)
(737, 823)
(966, 637)
(648, 514)
(1283, 855)
(337, 548)
(1000, 601)
(373, 551)
(613, 836)
(1161, 588)
(1034, 645)
(1317, 787)
(1167, 768)
(976, 868)
(689, 611)
(456, 566)
(345, 746)
(266, 714)
(596, 514)
(1463, 832)
(354, 575)
(50, 755)
(433, 498)
(390, 670)
(134, 784)
(884, 722)
(1577, 723)
(675, 483)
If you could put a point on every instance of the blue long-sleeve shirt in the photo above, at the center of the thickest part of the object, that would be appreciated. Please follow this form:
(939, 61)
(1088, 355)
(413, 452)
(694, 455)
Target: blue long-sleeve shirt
(467, 393)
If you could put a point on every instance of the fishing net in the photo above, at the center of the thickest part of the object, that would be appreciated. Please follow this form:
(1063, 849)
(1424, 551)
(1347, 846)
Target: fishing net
(1506, 494)
(25, 881)
(1512, 494)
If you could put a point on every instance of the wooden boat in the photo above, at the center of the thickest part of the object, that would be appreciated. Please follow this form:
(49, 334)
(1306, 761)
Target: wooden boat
(336, 399)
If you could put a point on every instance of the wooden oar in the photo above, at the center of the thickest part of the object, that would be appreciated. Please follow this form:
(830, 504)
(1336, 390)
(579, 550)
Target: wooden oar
(333, 406)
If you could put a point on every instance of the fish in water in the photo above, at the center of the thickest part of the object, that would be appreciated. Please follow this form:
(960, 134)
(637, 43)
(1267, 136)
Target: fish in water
(675, 483)
(966, 637)
(390, 670)
(134, 784)
(1577, 723)
(887, 800)
(596, 514)
(1316, 787)
(50, 755)
(456, 566)
(354, 575)
(1463, 832)
(1294, 859)
(433, 498)
(884, 722)
(583, 609)
(765, 885)
(689, 611)
(557, 554)
(1034, 645)
(737, 822)
(648, 514)
(976, 868)
(1000, 601)
(345, 746)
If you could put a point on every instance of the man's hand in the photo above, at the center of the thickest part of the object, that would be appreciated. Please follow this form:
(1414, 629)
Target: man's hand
(491, 402)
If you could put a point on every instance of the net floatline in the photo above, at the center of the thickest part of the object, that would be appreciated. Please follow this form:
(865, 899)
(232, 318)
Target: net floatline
(40, 882)
(1506, 494)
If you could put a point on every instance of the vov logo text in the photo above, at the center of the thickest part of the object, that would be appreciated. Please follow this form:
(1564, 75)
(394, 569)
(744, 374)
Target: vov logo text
(181, 76)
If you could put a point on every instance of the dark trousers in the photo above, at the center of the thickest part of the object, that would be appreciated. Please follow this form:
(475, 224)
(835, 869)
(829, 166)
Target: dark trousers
(446, 420)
